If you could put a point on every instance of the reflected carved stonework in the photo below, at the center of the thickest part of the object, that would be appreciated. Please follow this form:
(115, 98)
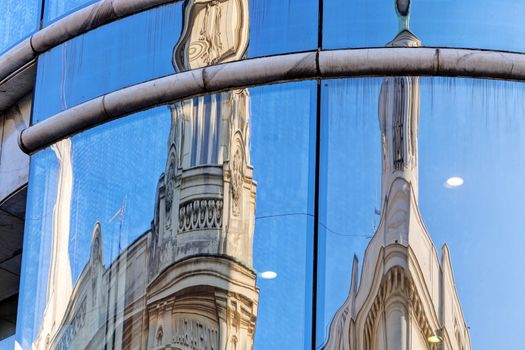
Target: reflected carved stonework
(188, 282)
(405, 294)
(237, 178)
(200, 214)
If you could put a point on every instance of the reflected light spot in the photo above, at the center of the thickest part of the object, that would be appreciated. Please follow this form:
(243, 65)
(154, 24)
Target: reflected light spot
(454, 182)
(434, 339)
(268, 275)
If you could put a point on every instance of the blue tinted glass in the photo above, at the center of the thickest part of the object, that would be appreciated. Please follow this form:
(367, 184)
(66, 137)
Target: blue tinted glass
(281, 26)
(54, 9)
(283, 153)
(109, 172)
(18, 19)
(123, 53)
(8, 343)
(477, 135)
(488, 24)
(350, 186)
(421, 180)
(142, 47)
(181, 213)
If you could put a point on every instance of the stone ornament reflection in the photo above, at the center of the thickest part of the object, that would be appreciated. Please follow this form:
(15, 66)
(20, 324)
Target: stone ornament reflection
(215, 31)
(405, 293)
(188, 282)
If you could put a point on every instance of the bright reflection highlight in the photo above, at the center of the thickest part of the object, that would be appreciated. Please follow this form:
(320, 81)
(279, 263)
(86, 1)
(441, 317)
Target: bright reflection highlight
(454, 182)
(268, 275)
(435, 339)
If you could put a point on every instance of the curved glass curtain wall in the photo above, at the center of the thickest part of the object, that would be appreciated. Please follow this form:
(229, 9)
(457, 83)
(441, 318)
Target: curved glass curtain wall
(292, 25)
(140, 48)
(469, 129)
(100, 249)
(18, 19)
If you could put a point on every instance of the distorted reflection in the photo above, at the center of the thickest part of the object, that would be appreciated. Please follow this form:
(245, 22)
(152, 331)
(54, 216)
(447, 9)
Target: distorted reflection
(405, 292)
(188, 282)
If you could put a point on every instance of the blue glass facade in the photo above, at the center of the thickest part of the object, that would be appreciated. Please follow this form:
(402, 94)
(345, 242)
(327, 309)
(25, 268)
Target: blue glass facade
(19, 19)
(248, 218)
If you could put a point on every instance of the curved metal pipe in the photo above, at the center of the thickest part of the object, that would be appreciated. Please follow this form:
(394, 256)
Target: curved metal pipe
(274, 69)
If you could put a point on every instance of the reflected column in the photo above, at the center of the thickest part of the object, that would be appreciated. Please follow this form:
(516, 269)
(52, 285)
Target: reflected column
(202, 292)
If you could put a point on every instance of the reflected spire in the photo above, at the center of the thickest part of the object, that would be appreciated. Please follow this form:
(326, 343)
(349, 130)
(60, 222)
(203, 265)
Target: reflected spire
(405, 294)
(403, 14)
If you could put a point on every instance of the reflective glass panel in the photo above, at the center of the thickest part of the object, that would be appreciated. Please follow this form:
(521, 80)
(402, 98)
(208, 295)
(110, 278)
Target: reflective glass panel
(123, 53)
(282, 26)
(420, 179)
(488, 24)
(18, 19)
(8, 343)
(350, 176)
(55, 9)
(165, 40)
(176, 227)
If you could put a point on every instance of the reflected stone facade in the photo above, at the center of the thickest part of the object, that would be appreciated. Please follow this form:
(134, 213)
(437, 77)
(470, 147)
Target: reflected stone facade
(188, 283)
(405, 297)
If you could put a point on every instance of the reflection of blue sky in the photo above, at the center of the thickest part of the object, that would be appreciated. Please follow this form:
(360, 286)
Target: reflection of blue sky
(280, 26)
(139, 48)
(350, 187)
(18, 19)
(282, 150)
(116, 166)
(119, 161)
(37, 243)
(475, 129)
(55, 9)
(123, 53)
(468, 128)
(495, 24)
(8, 343)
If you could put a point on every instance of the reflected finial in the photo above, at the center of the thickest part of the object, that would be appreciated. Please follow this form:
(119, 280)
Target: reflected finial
(403, 14)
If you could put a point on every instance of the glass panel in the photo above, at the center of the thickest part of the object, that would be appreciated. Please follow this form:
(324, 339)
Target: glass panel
(123, 53)
(18, 19)
(347, 208)
(283, 153)
(142, 232)
(488, 24)
(55, 9)
(160, 42)
(282, 26)
(474, 130)
(8, 343)
(421, 180)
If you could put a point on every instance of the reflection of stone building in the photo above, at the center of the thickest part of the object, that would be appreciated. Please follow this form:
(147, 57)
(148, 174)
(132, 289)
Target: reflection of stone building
(405, 298)
(188, 282)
